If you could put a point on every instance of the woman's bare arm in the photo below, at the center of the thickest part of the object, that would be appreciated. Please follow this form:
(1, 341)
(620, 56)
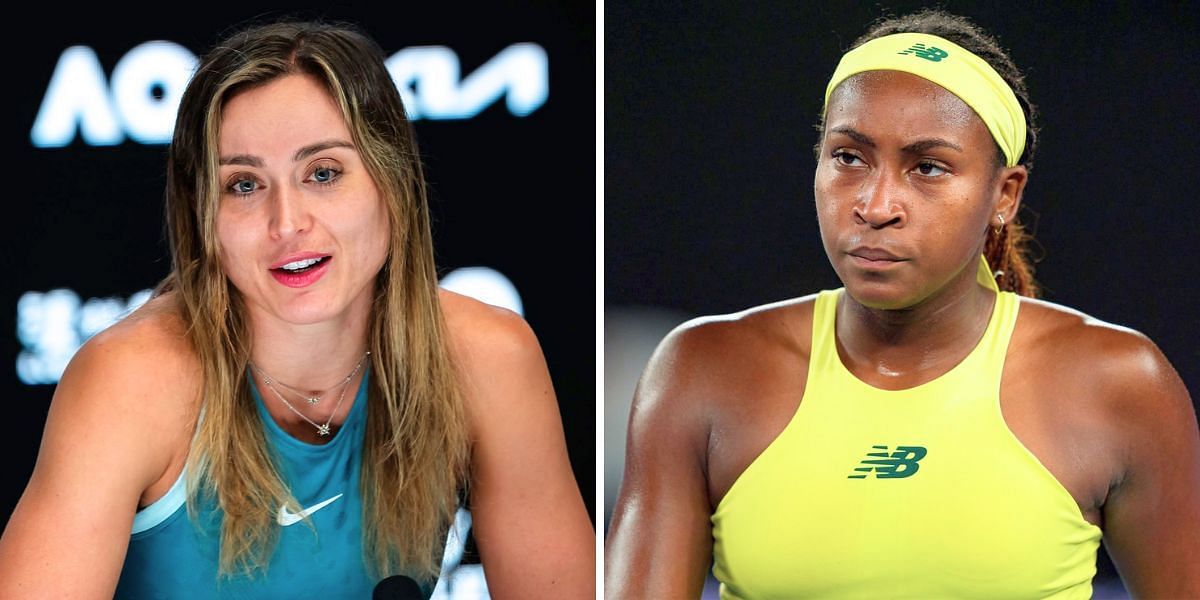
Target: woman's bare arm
(660, 540)
(1152, 514)
(530, 523)
(110, 433)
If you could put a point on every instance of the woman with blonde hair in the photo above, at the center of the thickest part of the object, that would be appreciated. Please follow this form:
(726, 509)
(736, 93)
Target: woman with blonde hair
(300, 410)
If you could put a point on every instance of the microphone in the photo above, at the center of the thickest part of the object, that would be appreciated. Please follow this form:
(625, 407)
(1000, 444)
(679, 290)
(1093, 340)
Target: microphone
(397, 587)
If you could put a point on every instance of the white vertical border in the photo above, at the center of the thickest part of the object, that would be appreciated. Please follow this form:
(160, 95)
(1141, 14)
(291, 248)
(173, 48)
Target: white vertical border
(598, 501)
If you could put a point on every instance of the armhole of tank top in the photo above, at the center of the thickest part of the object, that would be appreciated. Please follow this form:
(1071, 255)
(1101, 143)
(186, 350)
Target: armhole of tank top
(1035, 463)
(825, 301)
(160, 510)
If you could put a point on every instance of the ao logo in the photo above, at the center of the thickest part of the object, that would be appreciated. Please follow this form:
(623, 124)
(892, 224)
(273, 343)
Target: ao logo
(143, 94)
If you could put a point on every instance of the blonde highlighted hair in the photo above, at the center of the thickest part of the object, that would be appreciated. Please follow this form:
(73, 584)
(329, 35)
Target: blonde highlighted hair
(415, 453)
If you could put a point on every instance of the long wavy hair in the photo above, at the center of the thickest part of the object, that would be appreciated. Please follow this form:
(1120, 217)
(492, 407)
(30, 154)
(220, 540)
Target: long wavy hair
(415, 454)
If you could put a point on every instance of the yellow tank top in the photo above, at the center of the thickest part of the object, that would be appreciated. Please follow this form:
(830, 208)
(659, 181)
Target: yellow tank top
(915, 493)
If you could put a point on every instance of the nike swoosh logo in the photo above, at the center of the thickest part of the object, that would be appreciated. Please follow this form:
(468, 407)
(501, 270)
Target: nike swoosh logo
(287, 517)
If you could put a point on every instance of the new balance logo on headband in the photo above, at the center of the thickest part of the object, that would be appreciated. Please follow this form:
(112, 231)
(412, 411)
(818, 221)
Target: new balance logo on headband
(893, 465)
(930, 53)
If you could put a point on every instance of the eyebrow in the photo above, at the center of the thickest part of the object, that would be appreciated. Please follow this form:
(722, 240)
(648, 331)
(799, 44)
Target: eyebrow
(855, 135)
(250, 160)
(310, 150)
(916, 147)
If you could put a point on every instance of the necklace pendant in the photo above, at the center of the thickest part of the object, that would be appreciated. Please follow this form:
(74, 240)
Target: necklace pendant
(323, 430)
(313, 400)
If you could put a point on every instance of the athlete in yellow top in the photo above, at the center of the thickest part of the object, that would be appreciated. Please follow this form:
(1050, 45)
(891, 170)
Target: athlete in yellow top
(930, 430)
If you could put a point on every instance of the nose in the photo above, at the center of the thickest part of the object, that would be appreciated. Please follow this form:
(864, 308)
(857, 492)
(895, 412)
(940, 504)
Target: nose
(289, 213)
(880, 201)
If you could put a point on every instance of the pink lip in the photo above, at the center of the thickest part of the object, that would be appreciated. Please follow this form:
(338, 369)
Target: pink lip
(307, 278)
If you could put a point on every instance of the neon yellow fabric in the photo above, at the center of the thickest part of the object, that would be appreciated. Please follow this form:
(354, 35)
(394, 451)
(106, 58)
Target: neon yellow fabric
(916, 493)
(949, 65)
(984, 275)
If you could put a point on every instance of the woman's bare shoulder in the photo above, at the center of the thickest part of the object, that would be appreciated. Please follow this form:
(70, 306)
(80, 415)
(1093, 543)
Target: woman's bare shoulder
(719, 342)
(1123, 367)
(709, 366)
(1052, 328)
(154, 332)
(485, 337)
(494, 351)
(122, 412)
(145, 358)
(775, 321)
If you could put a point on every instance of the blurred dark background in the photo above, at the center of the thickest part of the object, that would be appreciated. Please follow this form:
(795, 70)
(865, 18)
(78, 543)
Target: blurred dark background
(709, 110)
(513, 190)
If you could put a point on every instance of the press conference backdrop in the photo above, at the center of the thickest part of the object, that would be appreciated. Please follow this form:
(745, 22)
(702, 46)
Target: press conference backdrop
(503, 101)
(708, 167)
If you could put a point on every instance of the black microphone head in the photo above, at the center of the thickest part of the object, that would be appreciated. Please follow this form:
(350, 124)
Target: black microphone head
(397, 587)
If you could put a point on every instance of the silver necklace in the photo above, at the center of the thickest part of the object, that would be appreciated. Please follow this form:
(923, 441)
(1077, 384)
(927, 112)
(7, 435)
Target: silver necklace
(312, 400)
(322, 430)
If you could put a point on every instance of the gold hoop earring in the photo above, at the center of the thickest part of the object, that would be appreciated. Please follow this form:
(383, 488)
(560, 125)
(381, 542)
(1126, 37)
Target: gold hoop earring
(999, 228)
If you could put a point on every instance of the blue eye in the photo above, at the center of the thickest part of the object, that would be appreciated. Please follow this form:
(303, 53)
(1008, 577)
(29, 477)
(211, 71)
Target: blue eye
(243, 186)
(325, 175)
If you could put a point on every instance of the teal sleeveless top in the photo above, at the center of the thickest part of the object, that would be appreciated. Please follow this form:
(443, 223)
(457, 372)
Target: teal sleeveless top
(171, 556)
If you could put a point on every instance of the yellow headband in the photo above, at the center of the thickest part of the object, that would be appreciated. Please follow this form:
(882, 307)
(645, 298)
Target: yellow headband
(949, 65)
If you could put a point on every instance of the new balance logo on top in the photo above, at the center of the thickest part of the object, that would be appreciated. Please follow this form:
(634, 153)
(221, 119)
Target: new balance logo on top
(930, 53)
(890, 465)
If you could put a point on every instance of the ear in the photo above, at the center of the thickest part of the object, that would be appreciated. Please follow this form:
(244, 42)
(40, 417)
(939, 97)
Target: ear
(1010, 187)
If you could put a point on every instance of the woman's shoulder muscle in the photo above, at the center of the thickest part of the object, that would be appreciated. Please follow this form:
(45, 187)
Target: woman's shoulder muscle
(711, 388)
(149, 354)
(473, 323)
(1120, 363)
(117, 422)
(142, 372)
(1115, 395)
(1110, 379)
(530, 522)
(501, 370)
(720, 364)
(489, 345)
